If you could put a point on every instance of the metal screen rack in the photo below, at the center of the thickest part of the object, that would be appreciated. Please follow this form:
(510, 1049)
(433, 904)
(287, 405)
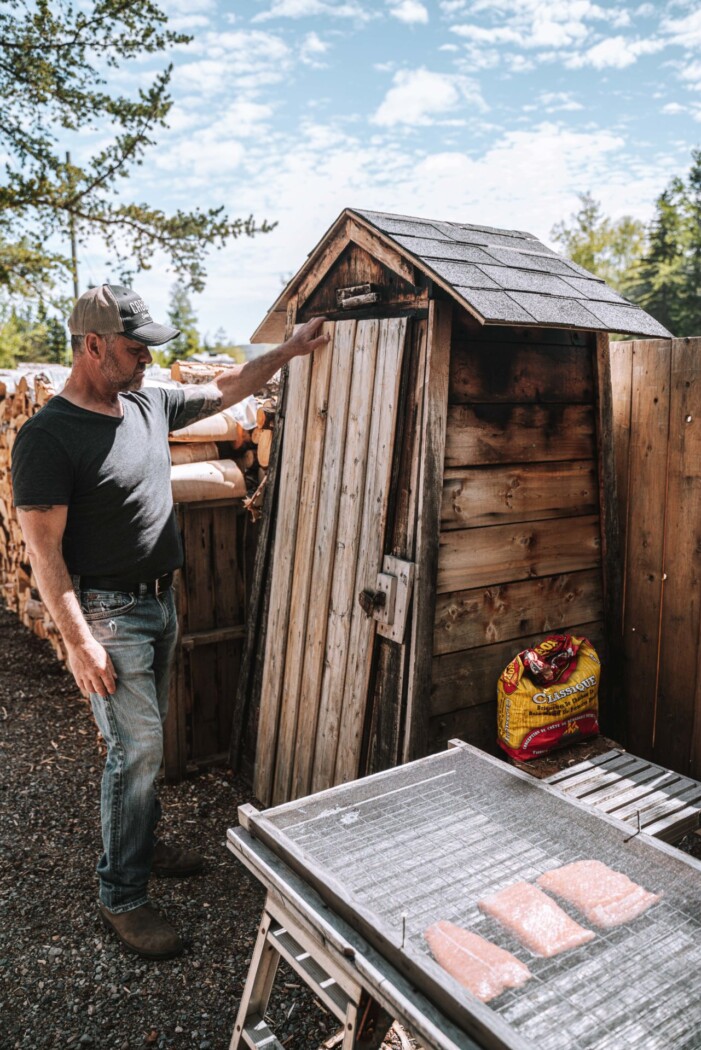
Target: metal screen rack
(398, 851)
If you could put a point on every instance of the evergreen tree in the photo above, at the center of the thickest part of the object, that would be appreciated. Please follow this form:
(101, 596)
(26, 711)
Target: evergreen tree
(181, 315)
(690, 291)
(660, 278)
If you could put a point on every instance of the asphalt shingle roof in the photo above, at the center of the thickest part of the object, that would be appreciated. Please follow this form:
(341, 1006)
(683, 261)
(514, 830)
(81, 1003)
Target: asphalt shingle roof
(509, 277)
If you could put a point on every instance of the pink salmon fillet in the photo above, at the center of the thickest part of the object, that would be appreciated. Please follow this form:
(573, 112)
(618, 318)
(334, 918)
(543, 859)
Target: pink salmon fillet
(482, 967)
(605, 897)
(535, 919)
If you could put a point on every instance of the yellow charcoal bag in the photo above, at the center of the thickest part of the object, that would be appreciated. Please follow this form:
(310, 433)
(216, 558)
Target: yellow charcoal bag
(533, 717)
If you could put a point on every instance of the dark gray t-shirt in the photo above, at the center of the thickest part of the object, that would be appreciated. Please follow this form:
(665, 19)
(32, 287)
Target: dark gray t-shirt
(114, 477)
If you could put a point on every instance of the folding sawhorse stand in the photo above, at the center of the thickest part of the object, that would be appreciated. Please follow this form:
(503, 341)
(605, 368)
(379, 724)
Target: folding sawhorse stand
(350, 978)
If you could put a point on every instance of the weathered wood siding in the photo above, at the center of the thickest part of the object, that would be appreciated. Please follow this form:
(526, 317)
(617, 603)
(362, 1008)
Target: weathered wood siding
(211, 601)
(657, 427)
(520, 547)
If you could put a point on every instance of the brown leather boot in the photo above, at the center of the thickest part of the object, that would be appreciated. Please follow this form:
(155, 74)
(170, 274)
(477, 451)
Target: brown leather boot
(173, 862)
(144, 931)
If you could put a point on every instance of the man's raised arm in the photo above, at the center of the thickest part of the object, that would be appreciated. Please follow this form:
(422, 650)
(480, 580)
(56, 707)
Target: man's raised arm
(43, 528)
(238, 382)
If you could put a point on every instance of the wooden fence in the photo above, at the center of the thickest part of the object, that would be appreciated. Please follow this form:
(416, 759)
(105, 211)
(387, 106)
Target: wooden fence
(657, 428)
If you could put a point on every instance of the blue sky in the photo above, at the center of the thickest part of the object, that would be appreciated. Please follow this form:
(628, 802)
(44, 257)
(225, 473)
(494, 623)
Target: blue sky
(483, 111)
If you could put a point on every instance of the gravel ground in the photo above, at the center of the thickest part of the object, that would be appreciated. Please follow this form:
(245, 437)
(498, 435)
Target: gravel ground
(65, 981)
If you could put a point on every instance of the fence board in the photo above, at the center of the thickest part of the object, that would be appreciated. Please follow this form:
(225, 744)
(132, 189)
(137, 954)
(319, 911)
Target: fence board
(645, 539)
(678, 691)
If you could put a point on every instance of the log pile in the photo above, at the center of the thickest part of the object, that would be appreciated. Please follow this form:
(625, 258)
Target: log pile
(237, 443)
(222, 457)
(22, 393)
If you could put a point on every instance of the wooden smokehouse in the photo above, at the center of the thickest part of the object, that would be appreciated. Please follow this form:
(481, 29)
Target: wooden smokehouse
(441, 495)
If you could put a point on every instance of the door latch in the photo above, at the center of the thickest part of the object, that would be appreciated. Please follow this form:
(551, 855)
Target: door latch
(389, 601)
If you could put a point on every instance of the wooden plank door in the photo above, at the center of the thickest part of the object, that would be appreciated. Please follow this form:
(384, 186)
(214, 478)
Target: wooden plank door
(335, 471)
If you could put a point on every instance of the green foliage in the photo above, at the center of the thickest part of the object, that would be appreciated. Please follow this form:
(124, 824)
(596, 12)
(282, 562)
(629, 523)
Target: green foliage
(610, 249)
(28, 334)
(54, 55)
(182, 315)
(669, 278)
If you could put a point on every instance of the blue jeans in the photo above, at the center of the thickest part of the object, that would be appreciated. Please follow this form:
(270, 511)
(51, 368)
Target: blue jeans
(139, 632)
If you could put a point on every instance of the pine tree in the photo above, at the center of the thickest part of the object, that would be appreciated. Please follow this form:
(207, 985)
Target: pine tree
(661, 276)
(181, 315)
(690, 291)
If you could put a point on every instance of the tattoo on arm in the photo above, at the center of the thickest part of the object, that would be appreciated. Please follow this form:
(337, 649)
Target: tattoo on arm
(200, 402)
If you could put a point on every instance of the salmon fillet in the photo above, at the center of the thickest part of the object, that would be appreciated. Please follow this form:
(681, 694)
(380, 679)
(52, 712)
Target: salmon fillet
(535, 919)
(605, 897)
(482, 967)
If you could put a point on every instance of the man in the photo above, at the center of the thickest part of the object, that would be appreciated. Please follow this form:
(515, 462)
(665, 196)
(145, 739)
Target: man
(91, 477)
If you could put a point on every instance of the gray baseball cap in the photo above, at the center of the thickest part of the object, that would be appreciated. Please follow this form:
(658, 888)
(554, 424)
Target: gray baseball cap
(112, 308)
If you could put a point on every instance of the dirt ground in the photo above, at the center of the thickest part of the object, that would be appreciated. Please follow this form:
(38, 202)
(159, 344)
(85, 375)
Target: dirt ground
(65, 982)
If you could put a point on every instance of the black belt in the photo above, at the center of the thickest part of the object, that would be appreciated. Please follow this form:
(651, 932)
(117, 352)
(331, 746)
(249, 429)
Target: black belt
(119, 583)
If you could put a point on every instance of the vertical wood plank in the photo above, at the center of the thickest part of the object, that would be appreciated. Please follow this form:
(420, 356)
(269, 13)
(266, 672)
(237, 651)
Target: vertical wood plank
(386, 710)
(611, 692)
(645, 538)
(322, 555)
(316, 424)
(276, 627)
(430, 482)
(621, 398)
(370, 542)
(246, 711)
(342, 599)
(679, 690)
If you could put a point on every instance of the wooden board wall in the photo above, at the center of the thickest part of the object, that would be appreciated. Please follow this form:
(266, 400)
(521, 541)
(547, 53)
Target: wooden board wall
(211, 601)
(520, 546)
(657, 426)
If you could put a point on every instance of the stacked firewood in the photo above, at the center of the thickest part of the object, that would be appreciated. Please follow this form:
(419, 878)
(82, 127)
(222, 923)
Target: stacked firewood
(221, 457)
(225, 455)
(22, 393)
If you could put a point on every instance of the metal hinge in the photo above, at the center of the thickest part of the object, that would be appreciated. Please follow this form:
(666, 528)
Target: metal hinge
(389, 601)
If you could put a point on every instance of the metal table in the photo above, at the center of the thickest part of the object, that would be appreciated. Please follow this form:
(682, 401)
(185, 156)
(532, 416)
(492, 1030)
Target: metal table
(391, 854)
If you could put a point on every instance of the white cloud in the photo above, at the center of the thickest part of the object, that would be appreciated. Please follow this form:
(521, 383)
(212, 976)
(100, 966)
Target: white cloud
(691, 75)
(616, 52)
(409, 11)
(673, 109)
(187, 7)
(313, 8)
(553, 102)
(242, 59)
(684, 32)
(532, 23)
(184, 23)
(311, 50)
(420, 96)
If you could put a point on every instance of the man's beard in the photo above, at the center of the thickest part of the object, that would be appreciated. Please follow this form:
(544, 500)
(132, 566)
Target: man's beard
(115, 375)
